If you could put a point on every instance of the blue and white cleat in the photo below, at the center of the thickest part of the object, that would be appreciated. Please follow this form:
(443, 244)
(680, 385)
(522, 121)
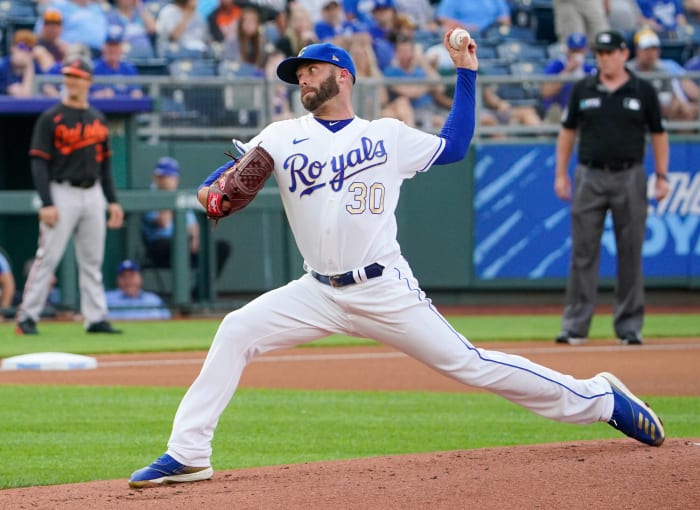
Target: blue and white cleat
(633, 417)
(166, 470)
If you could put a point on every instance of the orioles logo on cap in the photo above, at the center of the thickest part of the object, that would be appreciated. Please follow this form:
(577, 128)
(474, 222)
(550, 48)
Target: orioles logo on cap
(78, 67)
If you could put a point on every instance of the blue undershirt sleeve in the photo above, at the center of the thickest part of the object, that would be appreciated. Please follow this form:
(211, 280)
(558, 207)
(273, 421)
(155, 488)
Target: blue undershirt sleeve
(459, 125)
(216, 174)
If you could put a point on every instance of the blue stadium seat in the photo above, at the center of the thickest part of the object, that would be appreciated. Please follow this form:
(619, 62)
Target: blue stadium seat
(138, 49)
(499, 33)
(151, 66)
(524, 69)
(233, 69)
(18, 11)
(521, 13)
(193, 105)
(173, 109)
(486, 52)
(174, 51)
(515, 93)
(493, 68)
(187, 68)
(556, 49)
(677, 50)
(513, 51)
(527, 68)
(242, 102)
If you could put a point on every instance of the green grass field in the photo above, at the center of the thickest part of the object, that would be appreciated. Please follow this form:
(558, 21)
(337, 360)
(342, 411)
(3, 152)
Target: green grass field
(63, 434)
(196, 335)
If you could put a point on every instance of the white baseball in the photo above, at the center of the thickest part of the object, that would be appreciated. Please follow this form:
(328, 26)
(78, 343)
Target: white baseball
(457, 36)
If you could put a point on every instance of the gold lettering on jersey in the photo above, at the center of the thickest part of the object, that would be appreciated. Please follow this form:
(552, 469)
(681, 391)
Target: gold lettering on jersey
(305, 174)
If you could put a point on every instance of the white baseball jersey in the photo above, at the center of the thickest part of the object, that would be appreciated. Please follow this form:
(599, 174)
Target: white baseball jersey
(340, 190)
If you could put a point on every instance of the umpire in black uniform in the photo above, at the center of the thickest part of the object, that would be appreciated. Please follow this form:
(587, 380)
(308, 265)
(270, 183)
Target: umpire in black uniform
(611, 112)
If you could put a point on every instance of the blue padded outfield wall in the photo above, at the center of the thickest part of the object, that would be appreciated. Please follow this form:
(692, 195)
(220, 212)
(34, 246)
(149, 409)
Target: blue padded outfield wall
(522, 230)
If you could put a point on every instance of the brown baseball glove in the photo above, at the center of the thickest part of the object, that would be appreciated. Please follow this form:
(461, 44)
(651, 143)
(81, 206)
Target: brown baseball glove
(238, 186)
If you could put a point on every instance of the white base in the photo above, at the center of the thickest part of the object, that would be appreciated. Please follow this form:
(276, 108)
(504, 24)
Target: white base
(49, 361)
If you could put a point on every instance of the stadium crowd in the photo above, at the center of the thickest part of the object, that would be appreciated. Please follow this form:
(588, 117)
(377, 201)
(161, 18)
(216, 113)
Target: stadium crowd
(238, 38)
(388, 39)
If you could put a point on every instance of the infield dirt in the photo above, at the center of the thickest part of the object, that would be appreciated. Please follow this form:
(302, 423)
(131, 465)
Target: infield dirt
(590, 474)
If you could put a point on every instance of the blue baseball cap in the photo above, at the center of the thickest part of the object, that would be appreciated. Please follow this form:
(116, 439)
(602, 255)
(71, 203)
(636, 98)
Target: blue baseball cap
(576, 41)
(115, 34)
(167, 167)
(128, 265)
(323, 52)
(383, 4)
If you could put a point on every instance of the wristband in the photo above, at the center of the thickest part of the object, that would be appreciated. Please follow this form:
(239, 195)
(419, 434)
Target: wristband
(663, 177)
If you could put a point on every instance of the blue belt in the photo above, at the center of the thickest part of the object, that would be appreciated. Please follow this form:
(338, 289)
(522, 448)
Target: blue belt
(341, 280)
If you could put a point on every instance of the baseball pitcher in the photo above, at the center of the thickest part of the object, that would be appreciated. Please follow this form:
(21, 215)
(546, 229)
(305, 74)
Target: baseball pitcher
(339, 177)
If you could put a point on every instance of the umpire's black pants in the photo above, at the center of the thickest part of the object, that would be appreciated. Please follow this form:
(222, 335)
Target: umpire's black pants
(624, 194)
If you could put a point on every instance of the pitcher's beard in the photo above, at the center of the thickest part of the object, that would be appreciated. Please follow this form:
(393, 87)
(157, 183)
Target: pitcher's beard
(327, 90)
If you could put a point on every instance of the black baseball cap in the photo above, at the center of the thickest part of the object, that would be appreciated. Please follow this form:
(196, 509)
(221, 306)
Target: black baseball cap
(77, 66)
(609, 40)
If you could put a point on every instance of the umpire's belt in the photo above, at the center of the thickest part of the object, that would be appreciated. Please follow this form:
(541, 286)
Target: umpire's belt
(341, 280)
(611, 166)
(84, 184)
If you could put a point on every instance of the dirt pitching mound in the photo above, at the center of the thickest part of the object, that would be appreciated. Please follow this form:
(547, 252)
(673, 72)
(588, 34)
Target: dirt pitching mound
(588, 474)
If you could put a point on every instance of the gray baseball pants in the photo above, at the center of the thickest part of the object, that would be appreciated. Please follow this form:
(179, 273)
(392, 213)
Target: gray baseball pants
(624, 194)
(81, 215)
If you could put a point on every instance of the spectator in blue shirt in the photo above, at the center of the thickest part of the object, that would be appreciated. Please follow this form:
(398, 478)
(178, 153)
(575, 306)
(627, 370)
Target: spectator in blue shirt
(19, 69)
(358, 10)
(474, 16)
(112, 64)
(157, 227)
(555, 95)
(665, 17)
(84, 22)
(381, 27)
(374, 17)
(333, 26)
(426, 99)
(7, 286)
(129, 301)
(139, 26)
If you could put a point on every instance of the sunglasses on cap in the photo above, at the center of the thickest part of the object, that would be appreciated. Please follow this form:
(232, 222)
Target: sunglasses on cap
(23, 46)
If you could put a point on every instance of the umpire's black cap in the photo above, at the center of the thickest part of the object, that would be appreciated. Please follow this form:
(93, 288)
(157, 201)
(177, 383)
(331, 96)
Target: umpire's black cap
(609, 40)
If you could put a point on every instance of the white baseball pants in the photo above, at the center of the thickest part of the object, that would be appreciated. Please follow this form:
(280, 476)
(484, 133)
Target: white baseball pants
(390, 309)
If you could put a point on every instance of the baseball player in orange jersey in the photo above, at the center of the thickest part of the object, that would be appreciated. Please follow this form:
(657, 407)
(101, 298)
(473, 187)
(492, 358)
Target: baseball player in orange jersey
(339, 178)
(70, 158)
